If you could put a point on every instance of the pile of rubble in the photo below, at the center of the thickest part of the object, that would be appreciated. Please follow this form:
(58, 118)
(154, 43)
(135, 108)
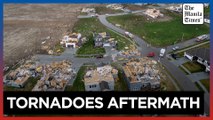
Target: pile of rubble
(88, 10)
(100, 79)
(103, 40)
(20, 76)
(175, 8)
(142, 73)
(55, 76)
(115, 6)
(73, 40)
(153, 13)
(130, 51)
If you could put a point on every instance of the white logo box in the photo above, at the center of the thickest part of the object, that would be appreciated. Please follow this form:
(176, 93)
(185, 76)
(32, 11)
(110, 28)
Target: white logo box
(193, 13)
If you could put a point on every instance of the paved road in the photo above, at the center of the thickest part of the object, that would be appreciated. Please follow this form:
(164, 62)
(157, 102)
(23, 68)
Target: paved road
(183, 81)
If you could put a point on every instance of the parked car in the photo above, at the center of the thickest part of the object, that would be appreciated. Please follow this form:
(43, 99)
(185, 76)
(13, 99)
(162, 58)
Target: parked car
(162, 52)
(130, 35)
(202, 37)
(99, 56)
(151, 54)
(174, 56)
(175, 48)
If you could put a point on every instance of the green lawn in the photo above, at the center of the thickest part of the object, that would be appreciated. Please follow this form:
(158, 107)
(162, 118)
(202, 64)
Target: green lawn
(120, 84)
(194, 67)
(206, 83)
(28, 87)
(88, 48)
(159, 33)
(89, 25)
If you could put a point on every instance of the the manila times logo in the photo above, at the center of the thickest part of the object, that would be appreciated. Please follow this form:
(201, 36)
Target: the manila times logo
(193, 13)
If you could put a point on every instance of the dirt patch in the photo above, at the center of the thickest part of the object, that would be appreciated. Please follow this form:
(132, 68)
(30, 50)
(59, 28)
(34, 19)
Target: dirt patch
(26, 25)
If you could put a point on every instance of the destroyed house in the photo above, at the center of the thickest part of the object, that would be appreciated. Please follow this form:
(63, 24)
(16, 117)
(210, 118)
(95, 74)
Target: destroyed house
(20, 76)
(141, 73)
(55, 76)
(104, 40)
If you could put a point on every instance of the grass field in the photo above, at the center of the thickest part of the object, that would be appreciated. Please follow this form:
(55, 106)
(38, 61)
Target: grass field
(89, 25)
(159, 33)
(194, 67)
(28, 87)
(206, 83)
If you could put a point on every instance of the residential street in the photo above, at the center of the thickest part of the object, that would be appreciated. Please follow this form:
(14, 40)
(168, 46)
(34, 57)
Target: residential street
(182, 80)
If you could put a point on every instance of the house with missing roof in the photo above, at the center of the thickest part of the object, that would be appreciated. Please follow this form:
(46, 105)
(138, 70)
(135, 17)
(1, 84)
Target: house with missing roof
(142, 74)
(100, 79)
(104, 40)
(200, 55)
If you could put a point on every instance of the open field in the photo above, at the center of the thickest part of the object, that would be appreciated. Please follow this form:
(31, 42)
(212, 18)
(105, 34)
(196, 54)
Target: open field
(159, 32)
(89, 25)
(25, 25)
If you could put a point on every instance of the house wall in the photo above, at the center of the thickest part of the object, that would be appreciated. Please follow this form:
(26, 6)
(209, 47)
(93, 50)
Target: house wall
(111, 85)
(92, 86)
(135, 86)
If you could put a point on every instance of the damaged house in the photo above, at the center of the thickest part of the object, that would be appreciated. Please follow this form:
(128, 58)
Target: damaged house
(141, 74)
(104, 40)
(153, 13)
(20, 76)
(100, 79)
(55, 76)
(71, 40)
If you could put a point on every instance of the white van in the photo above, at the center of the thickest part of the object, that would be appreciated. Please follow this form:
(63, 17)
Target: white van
(162, 52)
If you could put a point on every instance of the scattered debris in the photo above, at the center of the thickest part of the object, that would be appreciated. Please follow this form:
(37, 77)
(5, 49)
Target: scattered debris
(130, 52)
(141, 74)
(115, 6)
(88, 10)
(54, 76)
(71, 40)
(103, 40)
(20, 76)
(153, 13)
(176, 8)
